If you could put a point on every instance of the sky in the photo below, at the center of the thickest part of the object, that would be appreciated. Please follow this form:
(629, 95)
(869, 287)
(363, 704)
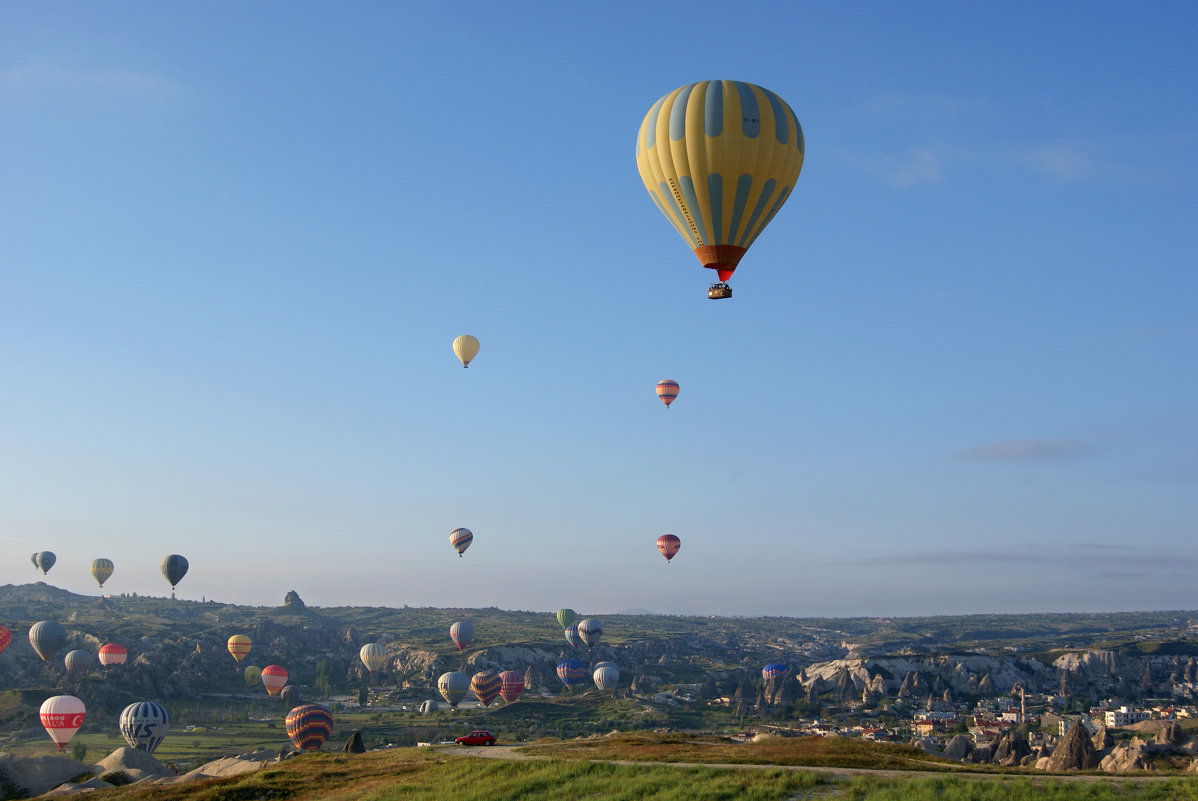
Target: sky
(957, 375)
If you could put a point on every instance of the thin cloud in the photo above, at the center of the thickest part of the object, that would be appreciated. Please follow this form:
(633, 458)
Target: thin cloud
(917, 166)
(1066, 161)
(43, 77)
(1026, 450)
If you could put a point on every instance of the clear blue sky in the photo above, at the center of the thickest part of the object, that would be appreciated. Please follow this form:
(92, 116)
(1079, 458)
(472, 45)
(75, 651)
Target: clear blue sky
(958, 373)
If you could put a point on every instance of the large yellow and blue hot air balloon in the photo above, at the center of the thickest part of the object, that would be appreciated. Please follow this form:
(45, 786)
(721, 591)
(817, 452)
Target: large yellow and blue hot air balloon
(719, 159)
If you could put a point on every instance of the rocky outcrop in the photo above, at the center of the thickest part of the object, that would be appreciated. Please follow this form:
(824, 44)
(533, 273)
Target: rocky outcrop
(21, 777)
(292, 599)
(1126, 756)
(1010, 749)
(1102, 738)
(959, 747)
(1074, 751)
(1171, 735)
(354, 744)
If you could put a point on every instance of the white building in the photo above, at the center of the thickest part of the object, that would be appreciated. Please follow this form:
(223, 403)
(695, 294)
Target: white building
(1125, 716)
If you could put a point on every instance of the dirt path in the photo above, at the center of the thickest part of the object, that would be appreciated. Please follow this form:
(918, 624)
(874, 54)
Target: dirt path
(521, 752)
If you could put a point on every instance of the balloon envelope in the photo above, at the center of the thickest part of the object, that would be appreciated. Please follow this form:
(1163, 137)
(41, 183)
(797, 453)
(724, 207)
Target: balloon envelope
(253, 675)
(62, 716)
(607, 677)
(590, 630)
(460, 539)
(239, 646)
(44, 560)
(667, 391)
(47, 638)
(512, 685)
(465, 348)
(453, 686)
(174, 567)
(572, 637)
(566, 616)
(5, 638)
(719, 158)
(309, 726)
(144, 724)
(462, 633)
(113, 654)
(571, 671)
(486, 686)
(78, 662)
(274, 677)
(668, 545)
(373, 656)
(290, 695)
(774, 670)
(101, 570)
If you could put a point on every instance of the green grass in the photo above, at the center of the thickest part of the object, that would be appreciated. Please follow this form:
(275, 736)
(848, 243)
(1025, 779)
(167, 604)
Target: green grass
(955, 789)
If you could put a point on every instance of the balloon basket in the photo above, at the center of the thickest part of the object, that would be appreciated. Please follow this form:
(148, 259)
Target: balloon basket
(719, 291)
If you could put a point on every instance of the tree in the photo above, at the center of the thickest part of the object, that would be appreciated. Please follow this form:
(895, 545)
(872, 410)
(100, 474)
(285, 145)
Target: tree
(323, 683)
(363, 695)
(78, 751)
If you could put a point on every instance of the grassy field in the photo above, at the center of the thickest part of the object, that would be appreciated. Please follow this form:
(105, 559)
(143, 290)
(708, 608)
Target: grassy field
(960, 789)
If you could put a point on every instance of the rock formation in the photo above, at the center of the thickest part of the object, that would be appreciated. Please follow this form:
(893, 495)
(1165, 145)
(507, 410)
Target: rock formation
(292, 599)
(354, 744)
(1074, 752)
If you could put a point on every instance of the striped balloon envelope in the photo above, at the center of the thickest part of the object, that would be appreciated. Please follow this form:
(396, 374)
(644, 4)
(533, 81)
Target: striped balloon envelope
(290, 695)
(274, 678)
(566, 616)
(719, 158)
(309, 726)
(78, 662)
(606, 676)
(462, 634)
(668, 545)
(253, 675)
(667, 390)
(572, 637)
(61, 717)
(5, 638)
(47, 638)
(144, 725)
(101, 570)
(373, 656)
(453, 686)
(571, 671)
(590, 630)
(113, 654)
(486, 686)
(512, 685)
(460, 539)
(776, 670)
(239, 646)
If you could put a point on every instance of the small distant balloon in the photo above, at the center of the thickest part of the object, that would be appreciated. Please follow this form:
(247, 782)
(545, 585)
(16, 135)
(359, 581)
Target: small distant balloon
(174, 568)
(113, 654)
(62, 716)
(101, 570)
(44, 560)
(572, 637)
(566, 616)
(571, 671)
(606, 677)
(309, 726)
(239, 646)
(465, 348)
(590, 630)
(253, 676)
(274, 678)
(78, 662)
(462, 633)
(290, 695)
(667, 390)
(775, 670)
(460, 539)
(512, 685)
(486, 686)
(47, 638)
(5, 638)
(668, 545)
(144, 725)
(373, 656)
(453, 686)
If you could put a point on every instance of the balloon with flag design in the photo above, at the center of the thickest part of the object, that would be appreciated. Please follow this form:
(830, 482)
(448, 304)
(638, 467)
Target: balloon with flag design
(62, 716)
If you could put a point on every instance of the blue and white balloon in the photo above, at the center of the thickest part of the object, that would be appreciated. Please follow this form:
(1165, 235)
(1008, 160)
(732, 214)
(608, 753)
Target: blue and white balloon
(144, 724)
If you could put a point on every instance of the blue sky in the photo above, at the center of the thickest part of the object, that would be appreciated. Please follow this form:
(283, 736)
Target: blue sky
(957, 375)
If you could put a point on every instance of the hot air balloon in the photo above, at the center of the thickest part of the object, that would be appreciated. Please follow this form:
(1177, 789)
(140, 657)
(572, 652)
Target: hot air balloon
(62, 716)
(776, 670)
(374, 656)
(571, 671)
(144, 724)
(719, 158)
(113, 654)
(590, 630)
(511, 685)
(174, 567)
(668, 545)
(5, 638)
(566, 616)
(465, 348)
(572, 637)
(453, 687)
(44, 560)
(290, 695)
(274, 677)
(34, 560)
(253, 676)
(667, 391)
(47, 637)
(101, 570)
(486, 686)
(78, 662)
(606, 677)
(309, 726)
(460, 539)
(461, 633)
(239, 646)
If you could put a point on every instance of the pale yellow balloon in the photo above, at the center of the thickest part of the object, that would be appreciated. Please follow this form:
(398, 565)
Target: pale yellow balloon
(465, 348)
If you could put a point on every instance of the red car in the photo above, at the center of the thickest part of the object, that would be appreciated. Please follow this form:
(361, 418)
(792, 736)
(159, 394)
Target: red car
(479, 737)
